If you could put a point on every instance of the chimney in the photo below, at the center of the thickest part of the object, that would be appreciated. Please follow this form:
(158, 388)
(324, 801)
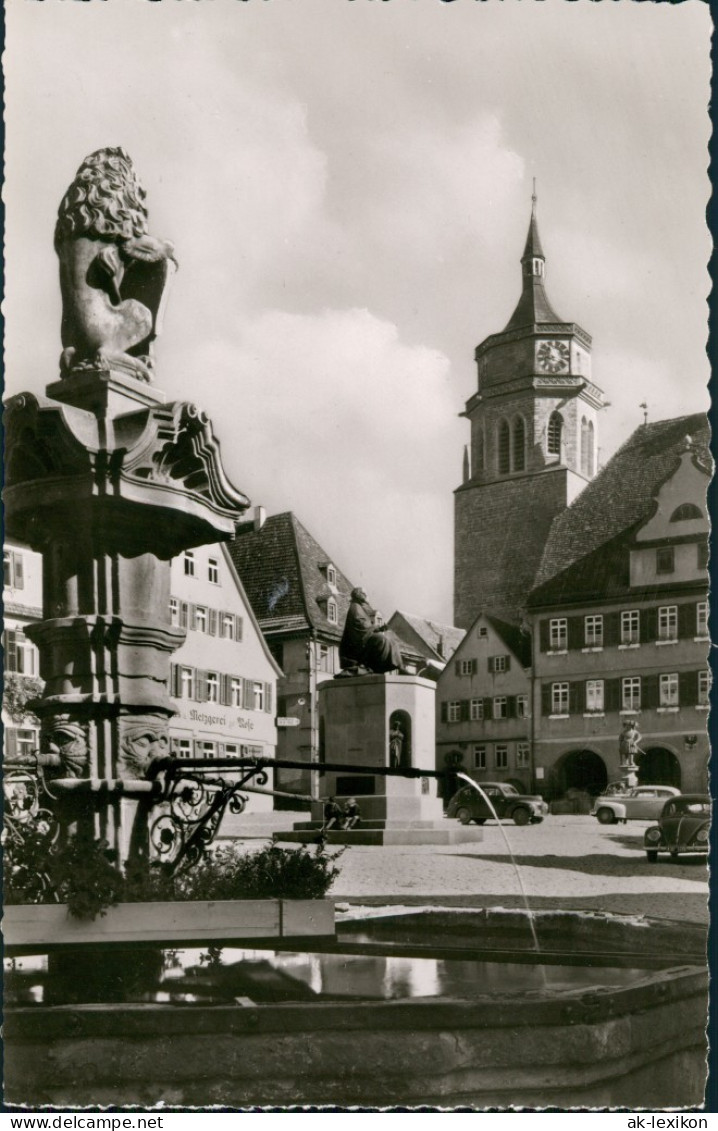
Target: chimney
(260, 517)
(440, 647)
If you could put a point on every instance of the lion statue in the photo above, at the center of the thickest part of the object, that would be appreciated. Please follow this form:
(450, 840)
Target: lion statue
(113, 274)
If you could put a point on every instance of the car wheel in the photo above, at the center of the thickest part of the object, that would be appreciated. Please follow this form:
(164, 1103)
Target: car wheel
(651, 856)
(463, 815)
(606, 816)
(521, 816)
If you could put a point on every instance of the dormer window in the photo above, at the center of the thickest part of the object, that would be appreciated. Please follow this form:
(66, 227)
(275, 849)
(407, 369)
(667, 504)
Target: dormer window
(332, 611)
(331, 575)
(538, 266)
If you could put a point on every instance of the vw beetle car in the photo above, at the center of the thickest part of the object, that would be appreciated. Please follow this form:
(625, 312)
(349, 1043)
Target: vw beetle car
(641, 803)
(468, 805)
(682, 829)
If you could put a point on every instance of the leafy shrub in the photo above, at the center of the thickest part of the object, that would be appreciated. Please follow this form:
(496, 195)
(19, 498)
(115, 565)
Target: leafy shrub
(84, 875)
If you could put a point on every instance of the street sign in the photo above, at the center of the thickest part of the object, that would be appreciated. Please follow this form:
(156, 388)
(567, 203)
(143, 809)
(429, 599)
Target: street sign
(289, 721)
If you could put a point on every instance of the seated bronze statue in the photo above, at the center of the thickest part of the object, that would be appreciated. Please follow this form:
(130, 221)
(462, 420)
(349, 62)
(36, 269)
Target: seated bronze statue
(366, 645)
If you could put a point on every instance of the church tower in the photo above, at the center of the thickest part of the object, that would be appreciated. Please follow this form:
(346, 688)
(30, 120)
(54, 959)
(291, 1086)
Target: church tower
(534, 441)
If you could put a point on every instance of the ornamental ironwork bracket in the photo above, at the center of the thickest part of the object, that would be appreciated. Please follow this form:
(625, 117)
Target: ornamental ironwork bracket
(191, 807)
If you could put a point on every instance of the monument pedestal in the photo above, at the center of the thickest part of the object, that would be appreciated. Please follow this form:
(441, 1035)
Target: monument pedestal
(382, 722)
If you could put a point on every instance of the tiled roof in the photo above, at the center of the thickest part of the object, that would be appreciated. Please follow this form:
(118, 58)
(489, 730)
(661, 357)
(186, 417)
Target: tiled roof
(622, 494)
(515, 639)
(283, 570)
(442, 639)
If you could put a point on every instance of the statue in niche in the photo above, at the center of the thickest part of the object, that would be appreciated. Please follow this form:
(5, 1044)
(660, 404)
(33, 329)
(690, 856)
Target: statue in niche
(143, 739)
(113, 274)
(64, 749)
(396, 744)
(365, 644)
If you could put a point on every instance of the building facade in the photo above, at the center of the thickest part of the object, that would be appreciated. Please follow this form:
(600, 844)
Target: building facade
(534, 444)
(620, 619)
(22, 603)
(484, 718)
(223, 678)
(300, 599)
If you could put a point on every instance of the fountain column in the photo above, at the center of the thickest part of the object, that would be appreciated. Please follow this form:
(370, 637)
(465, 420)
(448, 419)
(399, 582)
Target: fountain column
(109, 483)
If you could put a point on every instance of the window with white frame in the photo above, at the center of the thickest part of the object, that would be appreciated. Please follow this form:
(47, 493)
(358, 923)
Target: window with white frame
(213, 571)
(559, 698)
(453, 711)
(200, 618)
(13, 569)
(523, 755)
(501, 756)
(476, 710)
(227, 626)
(702, 619)
(181, 747)
(21, 655)
(704, 688)
(467, 667)
(235, 692)
(207, 749)
(501, 707)
(631, 693)
(27, 741)
(558, 634)
(522, 706)
(668, 622)
(500, 663)
(630, 627)
(668, 689)
(593, 631)
(331, 575)
(332, 614)
(594, 695)
(174, 611)
(257, 696)
(479, 753)
(212, 687)
(189, 563)
(187, 683)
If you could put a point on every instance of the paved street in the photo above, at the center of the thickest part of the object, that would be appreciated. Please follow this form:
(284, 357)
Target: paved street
(568, 861)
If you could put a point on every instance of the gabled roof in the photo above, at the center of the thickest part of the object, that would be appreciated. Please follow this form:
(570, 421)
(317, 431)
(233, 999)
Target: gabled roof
(284, 572)
(248, 605)
(622, 495)
(441, 640)
(516, 639)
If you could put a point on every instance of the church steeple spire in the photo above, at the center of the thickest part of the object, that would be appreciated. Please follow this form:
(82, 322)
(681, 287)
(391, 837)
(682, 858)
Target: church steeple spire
(533, 306)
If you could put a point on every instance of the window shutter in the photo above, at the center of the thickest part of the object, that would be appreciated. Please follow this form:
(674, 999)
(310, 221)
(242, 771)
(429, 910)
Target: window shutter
(175, 681)
(220, 624)
(247, 697)
(212, 622)
(10, 742)
(546, 699)
(612, 695)
(544, 635)
(649, 625)
(183, 614)
(576, 633)
(457, 667)
(193, 616)
(575, 706)
(444, 712)
(491, 663)
(18, 580)
(511, 706)
(268, 698)
(687, 620)
(225, 690)
(197, 746)
(611, 629)
(474, 666)
(649, 691)
(464, 711)
(239, 628)
(508, 663)
(687, 689)
(201, 686)
(488, 709)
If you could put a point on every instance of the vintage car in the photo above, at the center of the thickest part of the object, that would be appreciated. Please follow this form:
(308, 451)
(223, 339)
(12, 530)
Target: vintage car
(639, 803)
(682, 829)
(468, 805)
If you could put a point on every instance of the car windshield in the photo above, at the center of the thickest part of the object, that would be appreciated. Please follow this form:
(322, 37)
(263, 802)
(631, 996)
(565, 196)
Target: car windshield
(682, 807)
(510, 789)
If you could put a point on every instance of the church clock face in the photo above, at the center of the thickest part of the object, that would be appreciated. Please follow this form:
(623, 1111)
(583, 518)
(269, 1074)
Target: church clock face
(552, 357)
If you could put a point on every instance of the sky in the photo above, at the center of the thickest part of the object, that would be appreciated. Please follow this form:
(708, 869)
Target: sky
(348, 187)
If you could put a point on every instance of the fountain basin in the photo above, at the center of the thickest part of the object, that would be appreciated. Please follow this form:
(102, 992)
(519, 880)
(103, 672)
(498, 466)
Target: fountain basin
(636, 1045)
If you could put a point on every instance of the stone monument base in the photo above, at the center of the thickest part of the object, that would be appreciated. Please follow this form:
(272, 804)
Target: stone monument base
(385, 832)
